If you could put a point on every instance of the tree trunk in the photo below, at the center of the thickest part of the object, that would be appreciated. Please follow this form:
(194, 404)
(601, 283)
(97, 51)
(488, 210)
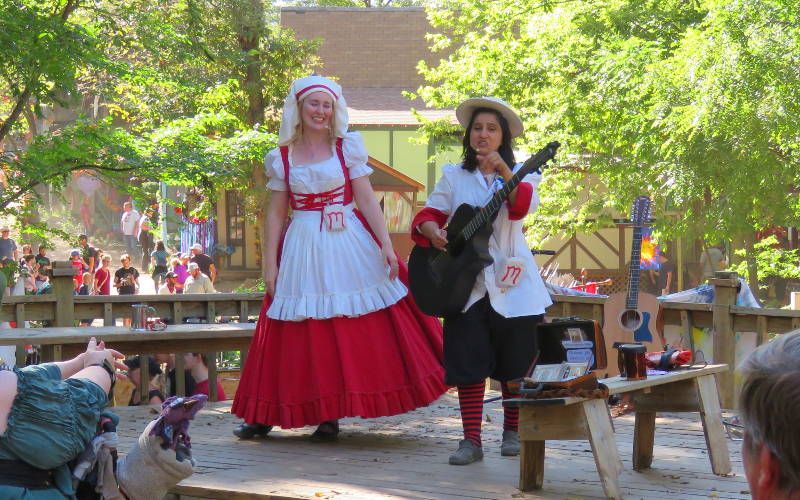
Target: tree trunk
(249, 29)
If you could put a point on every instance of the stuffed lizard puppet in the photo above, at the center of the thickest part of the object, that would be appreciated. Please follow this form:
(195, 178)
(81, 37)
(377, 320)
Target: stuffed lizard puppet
(159, 460)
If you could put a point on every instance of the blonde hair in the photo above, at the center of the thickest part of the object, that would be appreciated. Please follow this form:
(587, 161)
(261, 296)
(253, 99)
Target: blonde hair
(298, 129)
(106, 258)
(87, 278)
(124, 257)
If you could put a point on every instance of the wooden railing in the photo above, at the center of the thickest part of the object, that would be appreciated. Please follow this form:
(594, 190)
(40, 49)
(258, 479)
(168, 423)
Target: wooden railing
(62, 308)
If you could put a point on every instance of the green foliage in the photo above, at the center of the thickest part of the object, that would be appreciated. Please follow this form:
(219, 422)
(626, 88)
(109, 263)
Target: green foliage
(772, 261)
(692, 103)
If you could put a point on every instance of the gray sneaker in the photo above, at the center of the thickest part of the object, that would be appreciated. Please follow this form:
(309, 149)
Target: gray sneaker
(510, 446)
(466, 453)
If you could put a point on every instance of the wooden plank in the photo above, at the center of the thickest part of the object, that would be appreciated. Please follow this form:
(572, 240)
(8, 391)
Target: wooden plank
(686, 329)
(618, 385)
(212, 376)
(644, 438)
(211, 312)
(180, 378)
(762, 334)
(63, 293)
(72, 335)
(144, 381)
(711, 416)
(243, 311)
(604, 447)
(679, 396)
(177, 313)
(19, 317)
(540, 423)
(724, 336)
(531, 465)
(108, 314)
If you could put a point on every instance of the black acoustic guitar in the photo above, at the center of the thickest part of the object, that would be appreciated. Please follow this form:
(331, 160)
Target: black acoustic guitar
(441, 281)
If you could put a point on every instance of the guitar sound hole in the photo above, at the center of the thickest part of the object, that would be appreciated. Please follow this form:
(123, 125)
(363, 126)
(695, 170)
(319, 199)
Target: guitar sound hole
(630, 319)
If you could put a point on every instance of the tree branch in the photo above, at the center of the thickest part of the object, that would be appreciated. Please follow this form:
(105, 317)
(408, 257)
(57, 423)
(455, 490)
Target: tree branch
(27, 188)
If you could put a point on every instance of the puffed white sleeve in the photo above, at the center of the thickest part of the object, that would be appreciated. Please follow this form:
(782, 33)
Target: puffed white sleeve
(275, 173)
(355, 155)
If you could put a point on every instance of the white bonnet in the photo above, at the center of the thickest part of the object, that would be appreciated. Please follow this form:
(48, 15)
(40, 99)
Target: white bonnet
(301, 88)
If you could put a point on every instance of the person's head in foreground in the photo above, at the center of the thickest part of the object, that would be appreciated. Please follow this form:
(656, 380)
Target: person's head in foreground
(770, 407)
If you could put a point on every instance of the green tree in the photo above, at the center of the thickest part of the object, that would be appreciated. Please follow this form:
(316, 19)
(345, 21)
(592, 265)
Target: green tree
(693, 103)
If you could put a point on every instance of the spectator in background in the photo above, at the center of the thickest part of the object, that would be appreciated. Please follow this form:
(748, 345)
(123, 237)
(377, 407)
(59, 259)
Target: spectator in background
(158, 258)
(197, 282)
(712, 260)
(126, 280)
(102, 277)
(77, 267)
(770, 403)
(27, 249)
(129, 225)
(205, 262)
(27, 273)
(666, 275)
(8, 247)
(169, 287)
(88, 253)
(43, 261)
(86, 289)
(155, 396)
(181, 270)
(198, 364)
(145, 238)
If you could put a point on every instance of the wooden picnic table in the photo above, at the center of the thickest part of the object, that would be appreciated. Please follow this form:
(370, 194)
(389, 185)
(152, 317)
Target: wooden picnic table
(65, 342)
(682, 390)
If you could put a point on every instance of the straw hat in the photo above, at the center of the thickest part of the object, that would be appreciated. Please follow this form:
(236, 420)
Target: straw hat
(465, 110)
(301, 88)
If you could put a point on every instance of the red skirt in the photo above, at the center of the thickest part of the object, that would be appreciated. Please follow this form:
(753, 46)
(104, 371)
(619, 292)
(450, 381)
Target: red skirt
(302, 373)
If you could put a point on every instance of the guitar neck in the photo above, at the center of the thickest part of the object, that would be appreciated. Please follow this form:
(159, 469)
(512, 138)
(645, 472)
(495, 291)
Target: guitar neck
(490, 209)
(632, 301)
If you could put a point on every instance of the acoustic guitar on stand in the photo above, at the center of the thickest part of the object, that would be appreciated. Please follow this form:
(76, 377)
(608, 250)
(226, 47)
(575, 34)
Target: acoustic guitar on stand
(631, 316)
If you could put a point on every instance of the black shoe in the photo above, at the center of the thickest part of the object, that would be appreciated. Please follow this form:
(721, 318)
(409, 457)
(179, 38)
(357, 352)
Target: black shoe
(326, 432)
(249, 431)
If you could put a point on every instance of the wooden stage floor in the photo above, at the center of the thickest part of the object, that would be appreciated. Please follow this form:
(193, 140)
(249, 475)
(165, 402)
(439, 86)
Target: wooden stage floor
(406, 457)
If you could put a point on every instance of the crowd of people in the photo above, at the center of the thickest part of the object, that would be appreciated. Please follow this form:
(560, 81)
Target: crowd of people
(172, 272)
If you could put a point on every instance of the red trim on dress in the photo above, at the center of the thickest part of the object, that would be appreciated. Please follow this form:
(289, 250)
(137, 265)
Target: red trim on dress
(318, 86)
(425, 215)
(523, 202)
(318, 201)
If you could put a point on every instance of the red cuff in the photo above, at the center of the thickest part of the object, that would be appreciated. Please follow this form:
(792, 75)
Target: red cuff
(523, 202)
(425, 215)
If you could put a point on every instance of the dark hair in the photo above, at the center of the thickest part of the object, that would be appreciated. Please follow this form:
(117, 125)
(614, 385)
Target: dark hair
(160, 245)
(506, 153)
(134, 363)
(83, 237)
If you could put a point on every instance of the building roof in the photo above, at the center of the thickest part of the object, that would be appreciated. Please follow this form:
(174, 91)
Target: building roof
(385, 178)
(388, 107)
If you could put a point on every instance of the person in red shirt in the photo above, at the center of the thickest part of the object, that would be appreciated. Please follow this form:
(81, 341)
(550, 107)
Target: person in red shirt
(198, 364)
(102, 277)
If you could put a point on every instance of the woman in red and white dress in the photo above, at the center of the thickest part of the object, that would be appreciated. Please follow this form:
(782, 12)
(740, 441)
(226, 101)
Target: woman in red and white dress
(338, 335)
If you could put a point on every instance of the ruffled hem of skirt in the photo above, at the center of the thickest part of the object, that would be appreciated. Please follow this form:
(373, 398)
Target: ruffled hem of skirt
(327, 306)
(392, 402)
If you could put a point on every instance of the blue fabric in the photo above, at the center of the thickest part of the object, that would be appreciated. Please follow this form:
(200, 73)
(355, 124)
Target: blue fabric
(49, 424)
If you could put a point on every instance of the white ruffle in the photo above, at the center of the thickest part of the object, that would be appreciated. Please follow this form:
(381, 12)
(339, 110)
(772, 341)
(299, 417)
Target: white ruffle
(327, 274)
(322, 176)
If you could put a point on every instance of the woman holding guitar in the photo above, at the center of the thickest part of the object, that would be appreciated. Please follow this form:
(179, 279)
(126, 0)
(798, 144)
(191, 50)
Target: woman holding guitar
(338, 334)
(493, 335)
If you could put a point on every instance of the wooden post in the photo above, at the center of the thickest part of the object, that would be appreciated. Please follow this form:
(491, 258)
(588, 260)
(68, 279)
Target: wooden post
(212, 376)
(63, 289)
(180, 377)
(725, 288)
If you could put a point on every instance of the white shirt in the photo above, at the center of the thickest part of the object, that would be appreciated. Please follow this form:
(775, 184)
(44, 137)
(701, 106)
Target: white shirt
(529, 297)
(201, 284)
(129, 222)
(164, 290)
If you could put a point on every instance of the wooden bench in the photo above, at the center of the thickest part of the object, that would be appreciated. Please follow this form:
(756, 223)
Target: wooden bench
(65, 342)
(580, 418)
